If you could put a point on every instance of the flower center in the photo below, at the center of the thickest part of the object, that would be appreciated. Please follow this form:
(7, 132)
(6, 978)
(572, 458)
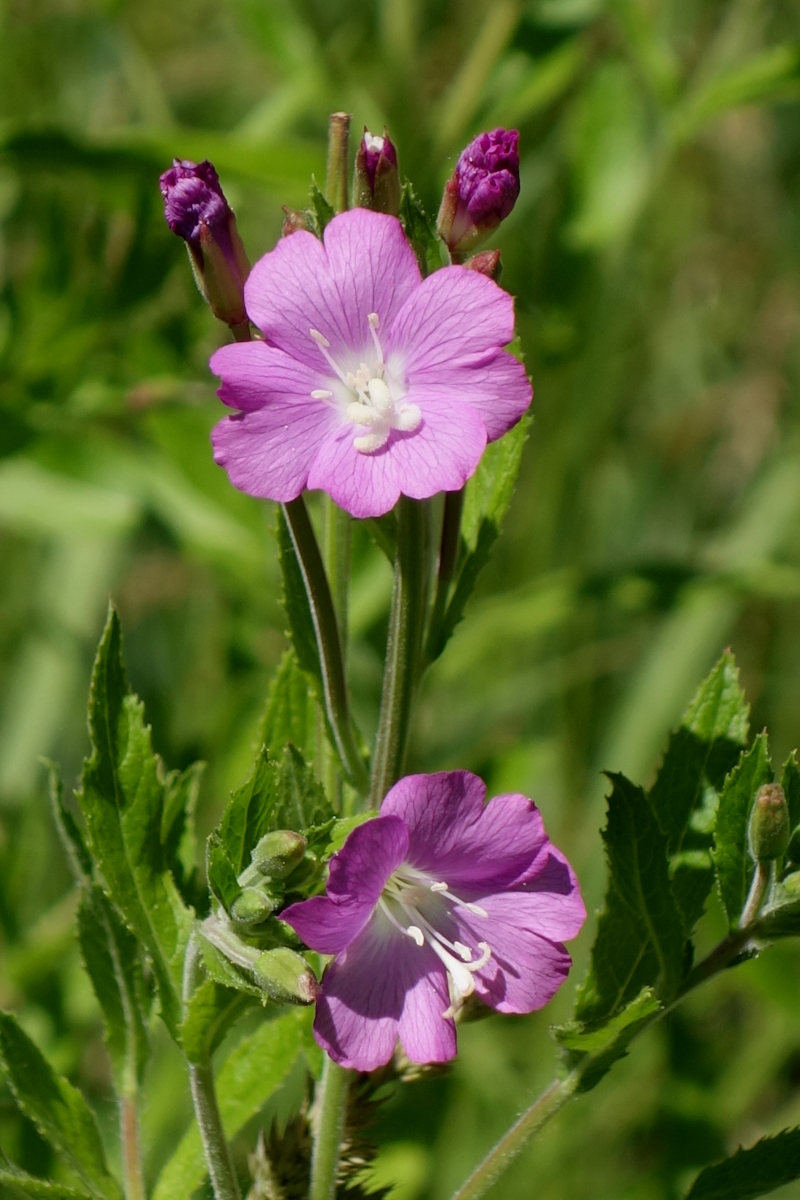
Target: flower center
(406, 893)
(369, 399)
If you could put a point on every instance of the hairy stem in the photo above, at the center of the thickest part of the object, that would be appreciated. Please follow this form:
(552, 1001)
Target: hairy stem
(560, 1091)
(448, 554)
(329, 646)
(337, 172)
(403, 647)
(762, 877)
(132, 1172)
(331, 1109)
(204, 1099)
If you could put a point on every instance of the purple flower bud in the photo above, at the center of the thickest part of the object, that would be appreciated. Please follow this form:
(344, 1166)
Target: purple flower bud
(377, 180)
(482, 190)
(195, 209)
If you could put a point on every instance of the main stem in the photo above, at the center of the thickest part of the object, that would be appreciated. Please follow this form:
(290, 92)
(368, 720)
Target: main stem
(336, 556)
(204, 1099)
(403, 647)
(331, 1103)
(132, 1172)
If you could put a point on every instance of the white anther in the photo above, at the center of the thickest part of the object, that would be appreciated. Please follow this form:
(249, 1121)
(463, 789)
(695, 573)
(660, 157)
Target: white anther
(408, 418)
(416, 933)
(321, 394)
(464, 951)
(479, 912)
(373, 142)
(373, 318)
(438, 887)
(380, 397)
(319, 338)
(371, 442)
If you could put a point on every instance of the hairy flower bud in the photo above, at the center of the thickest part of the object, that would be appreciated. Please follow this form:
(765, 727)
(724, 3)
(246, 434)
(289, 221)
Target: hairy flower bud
(377, 181)
(769, 830)
(294, 219)
(285, 976)
(487, 262)
(275, 856)
(482, 190)
(195, 209)
(252, 906)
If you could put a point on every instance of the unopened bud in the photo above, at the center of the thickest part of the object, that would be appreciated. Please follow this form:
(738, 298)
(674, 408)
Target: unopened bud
(482, 190)
(195, 209)
(377, 181)
(294, 219)
(275, 856)
(285, 976)
(252, 906)
(790, 886)
(769, 830)
(487, 262)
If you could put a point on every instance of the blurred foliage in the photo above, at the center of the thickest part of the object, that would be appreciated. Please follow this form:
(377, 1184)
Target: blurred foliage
(655, 257)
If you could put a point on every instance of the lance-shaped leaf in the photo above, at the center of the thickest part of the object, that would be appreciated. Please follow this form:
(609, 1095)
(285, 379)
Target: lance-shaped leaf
(732, 860)
(297, 608)
(608, 1042)
(290, 712)
(486, 502)
(640, 940)
(771, 1163)
(57, 1109)
(790, 782)
(702, 751)
(30, 1187)
(249, 1076)
(122, 799)
(178, 838)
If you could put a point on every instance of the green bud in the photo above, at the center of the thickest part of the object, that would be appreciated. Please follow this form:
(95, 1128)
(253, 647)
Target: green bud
(275, 856)
(769, 830)
(285, 976)
(790, 886)
(252, 906)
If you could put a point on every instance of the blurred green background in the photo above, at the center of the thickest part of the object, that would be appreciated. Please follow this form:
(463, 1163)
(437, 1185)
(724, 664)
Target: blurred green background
(655, 257)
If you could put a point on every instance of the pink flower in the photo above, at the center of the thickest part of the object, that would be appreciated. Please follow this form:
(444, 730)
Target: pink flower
(370, 381)
(437, 897)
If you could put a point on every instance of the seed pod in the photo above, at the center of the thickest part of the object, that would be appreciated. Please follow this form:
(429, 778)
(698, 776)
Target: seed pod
(769, 830)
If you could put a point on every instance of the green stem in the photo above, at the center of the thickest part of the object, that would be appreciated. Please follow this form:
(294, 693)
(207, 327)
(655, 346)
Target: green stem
(560, 1091)
(337, 173)
(336, 556)
(403, 647)
(132, 1172)
(331, 1102)
(329, 646)
(762, 877)
(448, 555)
(204, 1099)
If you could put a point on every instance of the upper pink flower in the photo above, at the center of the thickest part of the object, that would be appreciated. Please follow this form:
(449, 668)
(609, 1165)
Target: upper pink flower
(439, 896)
(370, 381)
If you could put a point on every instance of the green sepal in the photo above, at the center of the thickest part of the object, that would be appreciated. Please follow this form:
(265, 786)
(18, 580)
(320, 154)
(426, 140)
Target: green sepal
(421, 232)
(732, 860)
(320, 212)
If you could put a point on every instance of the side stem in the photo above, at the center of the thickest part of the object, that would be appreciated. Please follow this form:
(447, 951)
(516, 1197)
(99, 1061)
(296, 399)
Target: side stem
(331, 1104)
(336, 540)
(204, 1099)
(131, 1148)
(403, 647)
(329, 645)
(337, 172)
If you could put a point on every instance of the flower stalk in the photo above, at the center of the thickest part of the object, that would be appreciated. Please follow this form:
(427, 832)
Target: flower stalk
(448, 556)
(331, 1106)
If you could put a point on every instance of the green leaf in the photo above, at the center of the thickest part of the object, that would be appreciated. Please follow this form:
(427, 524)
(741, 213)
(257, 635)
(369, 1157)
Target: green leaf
(771, 1163)
(19, 1183)
(487, 499)
(790, 782)
(79, 858)
(122, 799)
(702, 751)
(113, 962)
(295, 602)
(691, 874)
(178, 837)
(290, 715)
(57, 1109)
(421, 231)
(344, 827)
(640, 940)
(772, 75)
(209, 1013)
(732, 860)
(609, 1042)
(321, 212)
(249, 1076)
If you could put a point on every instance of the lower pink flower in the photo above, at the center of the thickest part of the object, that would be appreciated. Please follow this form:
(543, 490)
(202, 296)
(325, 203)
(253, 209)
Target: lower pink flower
(438, 897)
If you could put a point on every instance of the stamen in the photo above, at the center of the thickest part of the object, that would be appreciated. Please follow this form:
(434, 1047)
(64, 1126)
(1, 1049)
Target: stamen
(320, 339)
(416, 933)
(438, 887)
(321, 394)
(373, 321)
(464, 951)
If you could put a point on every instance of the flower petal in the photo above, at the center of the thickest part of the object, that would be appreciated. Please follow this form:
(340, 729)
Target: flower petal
(374, 267)
(357, 874)
(365, 992)
(457, 839)
(551, 905)
(438, 456)
(455, 315)
(254, 374)
(525, 970)
(497, 388)
(267, 452)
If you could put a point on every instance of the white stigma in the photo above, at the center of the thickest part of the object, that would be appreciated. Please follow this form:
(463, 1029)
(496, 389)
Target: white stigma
(372, 401)
(403, 903)
(373, 142)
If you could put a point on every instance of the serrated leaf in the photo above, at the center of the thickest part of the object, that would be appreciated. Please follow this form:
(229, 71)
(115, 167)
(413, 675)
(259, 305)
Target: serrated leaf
(290, 713)
(691, 874)
(771, 1163)
(208, 1016)
(178, 837)
(321, 211)
(640, 939)
(702, 750)
(421, 231)
(122, 799)
(19, 1183)
(486, 502)
(296, 606)
(249, 1076)
(582, 1038)
(732, 860)
(78, 856)
(113, 962)
(790, 782)
(57, 1109)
